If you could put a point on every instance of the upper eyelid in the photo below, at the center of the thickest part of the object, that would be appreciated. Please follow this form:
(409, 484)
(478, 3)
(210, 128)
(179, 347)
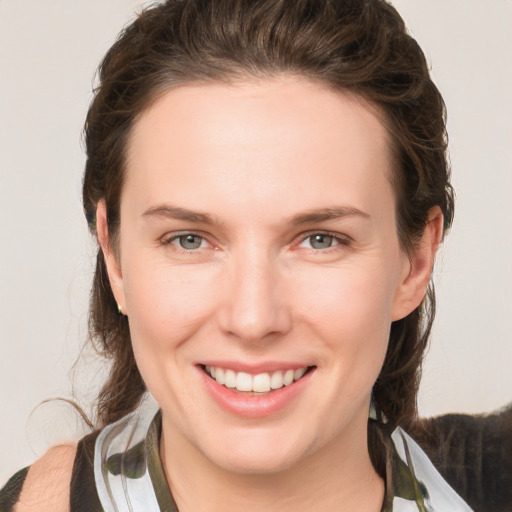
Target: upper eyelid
(339, 236)
(170, 237)
(175, 234)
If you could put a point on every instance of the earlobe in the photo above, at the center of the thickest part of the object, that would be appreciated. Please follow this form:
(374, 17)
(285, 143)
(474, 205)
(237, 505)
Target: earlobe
(414, 282)
(111, 258)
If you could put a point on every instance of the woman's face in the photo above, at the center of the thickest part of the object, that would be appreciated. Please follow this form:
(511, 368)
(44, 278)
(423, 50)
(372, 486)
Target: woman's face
(258, 243)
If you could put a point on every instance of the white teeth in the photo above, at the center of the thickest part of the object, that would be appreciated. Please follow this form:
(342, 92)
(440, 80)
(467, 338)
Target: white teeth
(230, 379)
(260, 383)
(243, 382)
(276, 381)
(219, 376)
(299, 373)
(288, 377)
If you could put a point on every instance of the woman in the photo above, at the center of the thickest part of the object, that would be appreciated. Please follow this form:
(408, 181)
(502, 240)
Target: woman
(268, 185)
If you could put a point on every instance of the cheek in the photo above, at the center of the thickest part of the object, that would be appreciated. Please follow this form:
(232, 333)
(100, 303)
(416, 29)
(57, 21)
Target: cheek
(167, 306)
(351, 314)
(354, 300)
(166, 303)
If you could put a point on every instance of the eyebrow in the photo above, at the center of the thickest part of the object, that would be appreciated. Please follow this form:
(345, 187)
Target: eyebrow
(307, 217)
(175, 212)
(326, 214)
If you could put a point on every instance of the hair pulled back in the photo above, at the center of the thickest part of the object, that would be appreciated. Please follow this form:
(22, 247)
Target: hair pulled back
(360, 46)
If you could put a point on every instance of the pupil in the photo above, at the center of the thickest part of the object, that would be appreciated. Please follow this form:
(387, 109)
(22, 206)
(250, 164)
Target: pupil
(321, 241)
(190, 241)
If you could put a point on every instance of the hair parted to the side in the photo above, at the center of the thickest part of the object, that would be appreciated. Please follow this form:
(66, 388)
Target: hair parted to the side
(360, 46)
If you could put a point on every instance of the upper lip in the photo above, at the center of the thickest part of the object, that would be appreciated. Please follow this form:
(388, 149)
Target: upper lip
(255, 368)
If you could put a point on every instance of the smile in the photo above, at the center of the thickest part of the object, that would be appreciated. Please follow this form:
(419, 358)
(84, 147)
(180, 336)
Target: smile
(259, 383)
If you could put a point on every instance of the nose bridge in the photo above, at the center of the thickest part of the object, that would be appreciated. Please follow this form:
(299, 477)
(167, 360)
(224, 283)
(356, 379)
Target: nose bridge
(254, 307)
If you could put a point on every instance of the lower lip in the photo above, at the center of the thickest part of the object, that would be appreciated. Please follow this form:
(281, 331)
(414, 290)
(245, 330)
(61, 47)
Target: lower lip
(254, 406)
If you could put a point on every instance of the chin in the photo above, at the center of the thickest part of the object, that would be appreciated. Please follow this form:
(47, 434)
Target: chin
(256, 454)
(256, 463)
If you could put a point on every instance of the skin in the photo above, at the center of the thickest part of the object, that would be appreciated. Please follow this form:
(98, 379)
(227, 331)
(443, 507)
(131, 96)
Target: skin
(254, 157)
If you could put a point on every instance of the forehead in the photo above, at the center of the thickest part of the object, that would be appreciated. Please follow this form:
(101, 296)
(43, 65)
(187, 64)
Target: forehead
(254, 140)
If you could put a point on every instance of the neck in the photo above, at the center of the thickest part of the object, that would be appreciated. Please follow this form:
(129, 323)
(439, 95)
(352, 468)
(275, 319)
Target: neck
(338, 477)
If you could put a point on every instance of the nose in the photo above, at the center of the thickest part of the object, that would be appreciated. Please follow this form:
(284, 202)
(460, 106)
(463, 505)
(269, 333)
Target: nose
(254, 303)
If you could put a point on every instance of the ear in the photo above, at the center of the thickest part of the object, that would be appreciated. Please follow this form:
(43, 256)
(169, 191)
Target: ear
(115, 275)
(416, 276)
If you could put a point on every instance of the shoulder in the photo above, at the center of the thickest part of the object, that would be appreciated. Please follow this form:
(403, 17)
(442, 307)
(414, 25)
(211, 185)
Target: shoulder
(47, 484)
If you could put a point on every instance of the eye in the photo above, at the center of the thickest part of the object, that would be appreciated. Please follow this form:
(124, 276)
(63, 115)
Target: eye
(190, 241)
(186, 241)
(322, 241)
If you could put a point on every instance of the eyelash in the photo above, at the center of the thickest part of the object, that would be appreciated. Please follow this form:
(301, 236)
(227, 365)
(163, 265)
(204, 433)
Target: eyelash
(169, 239)
(341, 240)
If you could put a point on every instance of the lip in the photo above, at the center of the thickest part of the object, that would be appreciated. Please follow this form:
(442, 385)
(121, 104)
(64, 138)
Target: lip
(254, 406)
(254, 369)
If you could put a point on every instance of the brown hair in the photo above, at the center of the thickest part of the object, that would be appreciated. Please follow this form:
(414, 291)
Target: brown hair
(360, 46)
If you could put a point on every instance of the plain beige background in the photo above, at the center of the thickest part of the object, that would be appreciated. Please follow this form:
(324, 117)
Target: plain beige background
(48, 53)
